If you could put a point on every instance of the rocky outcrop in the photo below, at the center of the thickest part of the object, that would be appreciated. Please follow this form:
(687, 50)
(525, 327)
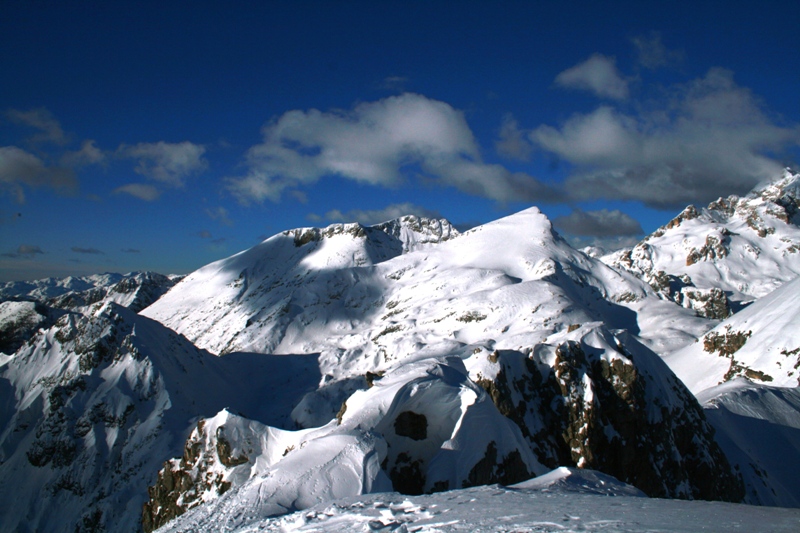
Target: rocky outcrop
(20, 320)
(202, 472)
(593, 404)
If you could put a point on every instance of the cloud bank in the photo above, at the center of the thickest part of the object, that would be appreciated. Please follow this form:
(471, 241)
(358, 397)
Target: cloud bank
(378, 143)
(707, 136)
(369, 217)
(601, 223)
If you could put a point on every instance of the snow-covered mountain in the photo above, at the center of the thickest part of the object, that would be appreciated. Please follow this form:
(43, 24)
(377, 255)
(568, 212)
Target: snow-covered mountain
(760, 342)
(735, 250)
(512, 282)
(91, 407)
(135, 290)
(758, 427)
(509, 309)
(27, 306)
(342, 361)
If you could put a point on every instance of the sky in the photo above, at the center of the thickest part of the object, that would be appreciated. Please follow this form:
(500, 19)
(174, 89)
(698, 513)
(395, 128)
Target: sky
(165, 135)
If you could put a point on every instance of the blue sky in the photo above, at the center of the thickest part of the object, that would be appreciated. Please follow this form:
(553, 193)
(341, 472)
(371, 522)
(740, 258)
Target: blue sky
(165, 135)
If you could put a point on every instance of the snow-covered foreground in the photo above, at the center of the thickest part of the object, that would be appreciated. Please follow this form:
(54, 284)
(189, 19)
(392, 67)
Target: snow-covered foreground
(564, 500)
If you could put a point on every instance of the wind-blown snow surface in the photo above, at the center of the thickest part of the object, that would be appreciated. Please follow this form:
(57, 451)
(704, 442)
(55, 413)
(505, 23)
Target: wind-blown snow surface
(564, 500)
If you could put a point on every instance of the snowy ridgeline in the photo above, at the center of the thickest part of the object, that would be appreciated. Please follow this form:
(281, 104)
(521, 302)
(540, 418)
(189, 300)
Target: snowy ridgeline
(408, 357)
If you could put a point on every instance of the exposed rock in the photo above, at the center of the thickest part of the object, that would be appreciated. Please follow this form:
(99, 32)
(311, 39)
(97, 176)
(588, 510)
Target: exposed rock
(726, 344)
(578, 408)
(412, 425)
(708, 303)
(489, 470)
(208, 461)
(714, 247)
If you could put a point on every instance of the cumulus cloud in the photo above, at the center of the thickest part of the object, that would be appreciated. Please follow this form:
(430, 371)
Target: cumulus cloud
(89, 154)
(167, 163)
(377, 143)
(90, 251)
(18, 168)
(601, 223)
(513, 142)
(597, 74)
(709, 137)
(40, 119)
(652, 53)
(375, 216)
(205, 234)
(141, 191)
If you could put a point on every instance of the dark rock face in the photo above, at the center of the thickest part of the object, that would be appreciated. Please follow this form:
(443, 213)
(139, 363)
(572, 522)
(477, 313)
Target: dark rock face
(411, 425)
(489, 470)
(182, 482)
(610, 415)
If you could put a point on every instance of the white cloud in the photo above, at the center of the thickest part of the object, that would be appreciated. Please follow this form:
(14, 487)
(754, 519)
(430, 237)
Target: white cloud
(710, 137)
(375, 216)
(512, 142)
(601, 223)
(142, 191)
(42, 120)
(89, 154)
(598, 74)
(376, 143)
(652, 53)
(18, 168)
(168, 163)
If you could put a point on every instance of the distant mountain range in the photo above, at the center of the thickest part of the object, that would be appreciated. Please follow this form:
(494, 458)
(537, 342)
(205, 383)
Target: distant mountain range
(332, 362)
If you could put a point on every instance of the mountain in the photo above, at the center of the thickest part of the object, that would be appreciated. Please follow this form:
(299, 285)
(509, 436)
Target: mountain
(513, 281)
(27, 306)
(437, 424)
(91, 407)
(760, 342)
(343, 361)
(533, 328)
(716, 259)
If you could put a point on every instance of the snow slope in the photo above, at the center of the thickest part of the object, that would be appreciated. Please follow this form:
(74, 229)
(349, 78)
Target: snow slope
(760, 342)
(758, 426)
(91, 407)
(424, 426)
(509, 283)
(564, 500)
